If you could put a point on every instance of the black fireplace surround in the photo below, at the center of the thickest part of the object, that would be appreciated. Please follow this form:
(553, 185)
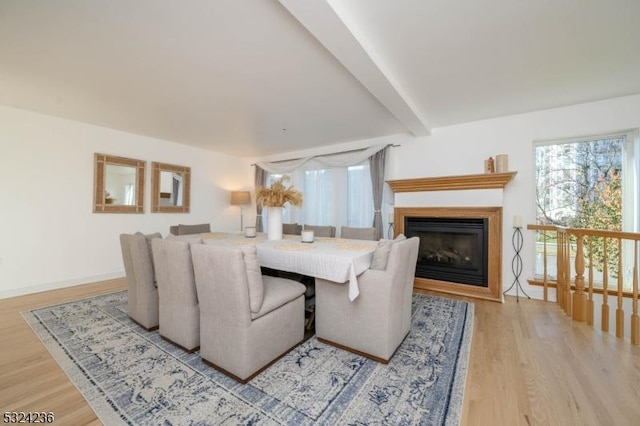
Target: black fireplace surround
(451, 249)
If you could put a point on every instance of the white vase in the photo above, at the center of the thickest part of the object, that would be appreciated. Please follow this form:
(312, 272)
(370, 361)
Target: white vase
(274, 223)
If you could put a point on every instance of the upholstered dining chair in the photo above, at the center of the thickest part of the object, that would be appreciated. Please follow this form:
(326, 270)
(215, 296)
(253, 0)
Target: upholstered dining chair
(291, 228)
(180, 229)
(321, 231)
(247, 320)
(142, 296)
(179, 313)
(358, 233)
(379, 319)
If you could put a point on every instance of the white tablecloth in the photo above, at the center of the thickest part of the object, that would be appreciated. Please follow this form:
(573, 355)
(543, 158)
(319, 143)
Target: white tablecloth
(334, 259)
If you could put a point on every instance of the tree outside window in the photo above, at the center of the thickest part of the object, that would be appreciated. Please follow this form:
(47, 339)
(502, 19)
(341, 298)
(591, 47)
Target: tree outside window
(579, 184)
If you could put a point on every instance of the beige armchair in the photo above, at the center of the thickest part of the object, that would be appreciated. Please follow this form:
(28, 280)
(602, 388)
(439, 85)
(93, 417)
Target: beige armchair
(142, 297)
(321, 231)
(379, 319)
(247, 320)
(179, 313)
(358, 233)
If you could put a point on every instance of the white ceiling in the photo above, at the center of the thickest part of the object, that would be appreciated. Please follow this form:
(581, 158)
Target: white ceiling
(261, 77)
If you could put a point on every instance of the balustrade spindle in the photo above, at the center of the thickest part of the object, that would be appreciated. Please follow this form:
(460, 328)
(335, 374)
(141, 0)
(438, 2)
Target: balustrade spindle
(605, 287)
(590, 300)
(567, 273)
(619, 310)
(635, 320)
(579, 297)
(575, 295)
(545, 279)
(559, 268)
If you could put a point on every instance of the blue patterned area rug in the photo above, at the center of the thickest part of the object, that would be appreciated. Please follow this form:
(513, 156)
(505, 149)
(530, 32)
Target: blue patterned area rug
(132, 376)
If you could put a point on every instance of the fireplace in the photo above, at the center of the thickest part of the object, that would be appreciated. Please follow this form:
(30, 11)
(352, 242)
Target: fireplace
(451, 249)
(460, 248)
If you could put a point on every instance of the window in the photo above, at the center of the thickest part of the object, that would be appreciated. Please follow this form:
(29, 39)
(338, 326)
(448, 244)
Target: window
(319, 197)
(572, 175)
(586, 183)
(340, 196)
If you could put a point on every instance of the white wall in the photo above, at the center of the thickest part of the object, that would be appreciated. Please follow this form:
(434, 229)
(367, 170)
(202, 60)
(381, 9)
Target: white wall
(462, 149)
(51, 238)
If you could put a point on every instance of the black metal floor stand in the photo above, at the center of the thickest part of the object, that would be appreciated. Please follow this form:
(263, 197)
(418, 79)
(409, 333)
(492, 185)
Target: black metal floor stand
(516, 263)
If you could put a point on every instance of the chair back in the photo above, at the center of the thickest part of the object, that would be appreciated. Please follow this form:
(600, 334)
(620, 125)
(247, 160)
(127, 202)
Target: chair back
(174, 271)
(358, 233)
(179, 313)
(142, 297)
(321, 231)
(291, 228)
(201, 228)
(402, 267)
(221, 282)
(138, 263)
(403, 259)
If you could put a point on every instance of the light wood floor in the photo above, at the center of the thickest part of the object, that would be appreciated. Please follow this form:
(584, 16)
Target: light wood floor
(529, 365)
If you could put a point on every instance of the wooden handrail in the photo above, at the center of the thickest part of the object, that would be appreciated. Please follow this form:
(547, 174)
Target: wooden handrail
(590, 232)
(575, 296)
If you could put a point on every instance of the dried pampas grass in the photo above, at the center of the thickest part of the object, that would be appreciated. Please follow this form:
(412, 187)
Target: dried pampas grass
(277, 195)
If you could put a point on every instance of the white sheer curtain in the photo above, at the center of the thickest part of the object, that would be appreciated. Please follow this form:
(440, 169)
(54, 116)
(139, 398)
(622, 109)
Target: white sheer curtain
(337, 188)
(318, 191)
(338, 196)
(129, 194)
(318, 162)
(360, 205)
(177, 189)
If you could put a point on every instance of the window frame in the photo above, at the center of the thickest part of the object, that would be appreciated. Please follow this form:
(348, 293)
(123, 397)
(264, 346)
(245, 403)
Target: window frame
(630, 163)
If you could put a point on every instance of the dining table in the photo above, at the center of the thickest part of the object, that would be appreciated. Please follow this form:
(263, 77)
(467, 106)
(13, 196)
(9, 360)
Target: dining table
(339, 260)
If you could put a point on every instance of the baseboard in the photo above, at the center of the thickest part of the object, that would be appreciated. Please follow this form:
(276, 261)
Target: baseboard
(59, 284)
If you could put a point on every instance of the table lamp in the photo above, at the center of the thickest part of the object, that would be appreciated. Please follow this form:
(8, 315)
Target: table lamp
(240, 198)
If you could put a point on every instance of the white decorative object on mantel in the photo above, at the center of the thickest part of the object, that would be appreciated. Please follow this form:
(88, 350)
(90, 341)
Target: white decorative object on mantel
(274, 223)
(502, 163)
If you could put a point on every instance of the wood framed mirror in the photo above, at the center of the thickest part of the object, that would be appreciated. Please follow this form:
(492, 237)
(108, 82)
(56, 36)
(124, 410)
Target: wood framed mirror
(118, 184)
(171, 188)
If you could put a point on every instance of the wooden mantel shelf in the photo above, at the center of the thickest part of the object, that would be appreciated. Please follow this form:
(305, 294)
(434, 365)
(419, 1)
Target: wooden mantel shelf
(451, 183)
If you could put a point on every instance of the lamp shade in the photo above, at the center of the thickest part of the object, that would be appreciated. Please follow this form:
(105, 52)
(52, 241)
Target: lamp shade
(240, 198)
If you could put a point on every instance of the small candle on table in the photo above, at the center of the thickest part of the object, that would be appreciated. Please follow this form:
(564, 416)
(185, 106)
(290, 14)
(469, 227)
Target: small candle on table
(250, 231)
(307, 236)
(390, 217)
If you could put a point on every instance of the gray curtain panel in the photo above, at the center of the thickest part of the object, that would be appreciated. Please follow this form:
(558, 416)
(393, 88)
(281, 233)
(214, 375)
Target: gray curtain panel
(377, 164)
(260, 180)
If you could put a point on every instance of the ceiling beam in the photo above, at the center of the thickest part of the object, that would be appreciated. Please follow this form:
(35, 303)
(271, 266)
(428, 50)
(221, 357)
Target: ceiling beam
(342, 41)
